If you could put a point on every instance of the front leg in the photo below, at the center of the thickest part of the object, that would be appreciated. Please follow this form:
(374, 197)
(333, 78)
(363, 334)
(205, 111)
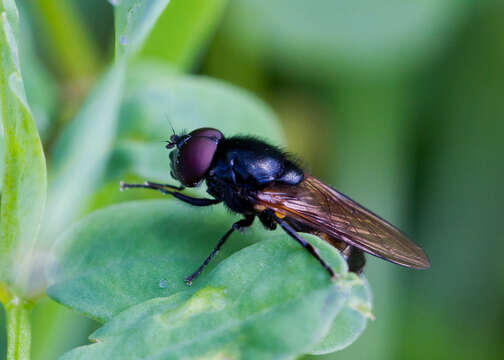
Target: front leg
(162, 188)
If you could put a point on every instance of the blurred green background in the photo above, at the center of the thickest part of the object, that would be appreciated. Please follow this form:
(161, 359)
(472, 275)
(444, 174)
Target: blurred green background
(398, 104)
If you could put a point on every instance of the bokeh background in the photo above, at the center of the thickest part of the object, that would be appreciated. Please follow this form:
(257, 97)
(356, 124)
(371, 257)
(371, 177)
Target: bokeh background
(399, 104)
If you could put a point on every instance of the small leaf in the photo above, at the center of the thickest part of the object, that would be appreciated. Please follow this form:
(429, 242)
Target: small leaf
(134, 19)
(269, 300)
(24, 180)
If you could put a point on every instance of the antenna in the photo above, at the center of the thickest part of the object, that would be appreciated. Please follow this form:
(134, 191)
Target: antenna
(169, 122)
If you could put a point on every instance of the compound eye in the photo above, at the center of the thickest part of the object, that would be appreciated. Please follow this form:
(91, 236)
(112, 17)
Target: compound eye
(196, 154)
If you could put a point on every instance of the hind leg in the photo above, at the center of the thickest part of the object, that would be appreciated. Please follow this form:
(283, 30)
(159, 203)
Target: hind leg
(353, 256)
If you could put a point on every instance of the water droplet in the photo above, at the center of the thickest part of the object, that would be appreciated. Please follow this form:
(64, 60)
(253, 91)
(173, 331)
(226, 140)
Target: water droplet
(123, 40)
(113, 2)
(15, 301)
(163, 284)
(132, 12)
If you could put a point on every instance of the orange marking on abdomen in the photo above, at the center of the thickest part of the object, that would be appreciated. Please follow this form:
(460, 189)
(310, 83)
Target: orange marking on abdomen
(281, 216)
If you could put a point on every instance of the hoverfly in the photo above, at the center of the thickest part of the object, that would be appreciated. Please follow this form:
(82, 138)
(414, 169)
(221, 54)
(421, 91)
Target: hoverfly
(256, 179)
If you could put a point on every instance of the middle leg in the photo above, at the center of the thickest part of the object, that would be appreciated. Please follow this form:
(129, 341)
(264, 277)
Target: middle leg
(239, 225)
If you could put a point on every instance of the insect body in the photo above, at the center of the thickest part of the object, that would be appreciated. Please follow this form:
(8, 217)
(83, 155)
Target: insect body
(256, 179)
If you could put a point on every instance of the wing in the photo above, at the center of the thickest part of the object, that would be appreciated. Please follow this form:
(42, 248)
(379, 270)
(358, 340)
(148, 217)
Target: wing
(326, 210)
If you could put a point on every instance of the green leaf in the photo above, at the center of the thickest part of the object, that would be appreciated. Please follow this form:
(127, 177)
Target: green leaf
(183, 30)
(269, 300)
(24, 180)
(134, 20)
(82, 152)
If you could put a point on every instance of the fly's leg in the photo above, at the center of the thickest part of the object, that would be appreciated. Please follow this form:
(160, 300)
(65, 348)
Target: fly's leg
(239, 225)
(162, 188)
(313, 251)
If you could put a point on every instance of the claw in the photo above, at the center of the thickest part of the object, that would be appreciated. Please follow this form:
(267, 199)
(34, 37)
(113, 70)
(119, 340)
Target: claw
(335, 277)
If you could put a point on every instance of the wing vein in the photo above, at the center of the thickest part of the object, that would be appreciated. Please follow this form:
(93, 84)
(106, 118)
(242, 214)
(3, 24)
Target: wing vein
(327, 211)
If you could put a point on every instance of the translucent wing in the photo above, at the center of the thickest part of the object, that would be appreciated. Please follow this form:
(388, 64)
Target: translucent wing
(324, 209)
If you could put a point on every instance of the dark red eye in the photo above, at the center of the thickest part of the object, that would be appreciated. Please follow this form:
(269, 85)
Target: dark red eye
(194, 155)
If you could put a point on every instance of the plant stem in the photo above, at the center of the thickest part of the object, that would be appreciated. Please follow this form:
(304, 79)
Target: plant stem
(18, 329)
